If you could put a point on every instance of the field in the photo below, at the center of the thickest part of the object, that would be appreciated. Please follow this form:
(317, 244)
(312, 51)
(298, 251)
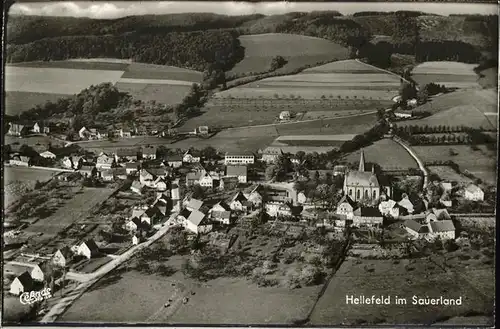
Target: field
(481, 163)
(337, 89)
(448, 174)
(310, 143)
(388, 154)
(18, 179)
(404, 278)
(450, 74)
(73, 210)
(471, 108)
(32, 83)
(298, 50)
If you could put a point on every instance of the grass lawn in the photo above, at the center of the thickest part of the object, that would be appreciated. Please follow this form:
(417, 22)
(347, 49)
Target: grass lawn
(298, 50)
(93, 264)
(73, 210)
(17, 102)
(481, 163)
(388, 154)
(403, 279)
(448, 174)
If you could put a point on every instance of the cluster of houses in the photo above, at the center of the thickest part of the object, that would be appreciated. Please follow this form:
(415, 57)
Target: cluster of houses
(32, 272)
(19, 130)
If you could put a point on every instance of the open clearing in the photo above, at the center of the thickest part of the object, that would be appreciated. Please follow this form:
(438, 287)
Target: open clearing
(403, 278)
(388, 154)
(298, 50)
(34, 83)
(450, 74)
(481, 163)
(471, 108)
(448, 174)
(73, 210)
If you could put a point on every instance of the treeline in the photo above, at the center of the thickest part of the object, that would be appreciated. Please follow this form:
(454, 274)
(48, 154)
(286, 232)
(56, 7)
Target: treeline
(26, 29)
(420, 129)
(365, 139)
(195, 50)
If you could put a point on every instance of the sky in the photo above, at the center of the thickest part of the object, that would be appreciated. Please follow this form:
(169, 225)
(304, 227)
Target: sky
(116, 9)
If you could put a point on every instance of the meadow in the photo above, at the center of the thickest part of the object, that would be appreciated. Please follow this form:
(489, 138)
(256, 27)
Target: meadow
(448, 174)
(450, 74)
(481, 163)
(298, 50)
(403, 278)
(18, 179)
(74, 209)
(388, 154)
(33, 83)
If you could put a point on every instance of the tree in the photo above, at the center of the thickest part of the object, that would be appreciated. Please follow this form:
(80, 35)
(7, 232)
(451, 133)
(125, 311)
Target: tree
(270, 172)
(380, 114)
(407, 91)
(278, 62)
(209, 153)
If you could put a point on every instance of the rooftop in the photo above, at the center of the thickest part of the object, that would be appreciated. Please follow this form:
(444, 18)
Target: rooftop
(362, 178)
(236, 170)
(442, 226)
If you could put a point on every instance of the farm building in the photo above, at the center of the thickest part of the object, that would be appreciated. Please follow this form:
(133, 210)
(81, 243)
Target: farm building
(239, 158)
(197, 223)
(104, 162)
(271, 153)
(240, 203)
(445, 230)
(221, 212)
(127, 154)
(416, 230)
(62, 257)
(131, 167)
(474, 193)
(35, 270)
(174, 161)
(367, 216)
(191, 156)
(88, 249)
(149, 152)
(237, 171)
(22, 283)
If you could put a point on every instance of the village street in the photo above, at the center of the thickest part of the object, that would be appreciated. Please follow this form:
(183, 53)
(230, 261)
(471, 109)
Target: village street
(89, 279)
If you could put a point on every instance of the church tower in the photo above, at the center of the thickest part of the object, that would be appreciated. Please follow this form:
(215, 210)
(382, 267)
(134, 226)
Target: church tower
(362, 161)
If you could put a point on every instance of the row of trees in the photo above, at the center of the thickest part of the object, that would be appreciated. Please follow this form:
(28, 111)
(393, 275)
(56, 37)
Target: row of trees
(426, 129)
(195, 50)
(365, 139)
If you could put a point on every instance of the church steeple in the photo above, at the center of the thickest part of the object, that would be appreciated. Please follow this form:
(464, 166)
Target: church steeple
(362, 161)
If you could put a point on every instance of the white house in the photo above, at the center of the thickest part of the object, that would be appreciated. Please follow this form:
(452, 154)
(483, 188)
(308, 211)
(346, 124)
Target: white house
(401, 114)
(197, 223)
(48, 155)
(149, 152)
(136, 187)
(301, 198)
(107, 175)
(22, 283)
(443, 229)
(474, 193)
(221, 212)
(207, 180)
(239, 202)
(146, 178)
(62, 257)
(104, 162)
(406, 203)
(17, 268)
(88, 249)
(131, 167)
(346, 207)
(175, 161)
(239, 159)
(237, 171)
(278, 209)
(137, 238)
(387, 208)
(285, 115)
(255, 197)
(160, 184)
(191, 156)
(271, 154)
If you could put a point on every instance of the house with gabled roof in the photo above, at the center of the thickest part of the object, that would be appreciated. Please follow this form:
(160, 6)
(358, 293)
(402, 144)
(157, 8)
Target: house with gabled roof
(240, 172)
(136, 187)
(104, 162)
(255, 196)
(88, 170)
(474, 193)
(416, 230)
(194, 204)
(346, 207)
(146, 178)
(442, 229)
(35, 270)
(174, 161)
(191, 156)
(406, 203)
(127, 154)
(149, 152)
(220, 212)
(151, 216)
(18, 129)
(208, 180)
(198, 223)
(120, 173)
(21, 283)
(271, 153)
(240, 203)
(131, 167)
(88, 249)
(134, 224)
(62, 257)
(107, 175)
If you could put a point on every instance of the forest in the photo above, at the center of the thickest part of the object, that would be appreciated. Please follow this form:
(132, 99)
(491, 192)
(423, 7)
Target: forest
(198, 40)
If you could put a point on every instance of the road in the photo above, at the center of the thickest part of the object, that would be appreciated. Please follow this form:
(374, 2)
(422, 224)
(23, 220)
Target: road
(419, 162)
(40, 168)
(87, 280)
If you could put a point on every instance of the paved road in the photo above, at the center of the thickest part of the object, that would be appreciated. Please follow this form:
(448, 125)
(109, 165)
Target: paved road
(414, 155)
(89, 279)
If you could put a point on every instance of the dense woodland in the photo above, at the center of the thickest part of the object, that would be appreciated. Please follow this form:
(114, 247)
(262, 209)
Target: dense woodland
(198, 40)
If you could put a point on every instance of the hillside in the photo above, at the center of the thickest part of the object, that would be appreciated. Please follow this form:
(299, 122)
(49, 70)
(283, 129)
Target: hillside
(297, 50)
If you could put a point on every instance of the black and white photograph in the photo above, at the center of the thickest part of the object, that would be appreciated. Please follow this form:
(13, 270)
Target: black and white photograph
(290, 164)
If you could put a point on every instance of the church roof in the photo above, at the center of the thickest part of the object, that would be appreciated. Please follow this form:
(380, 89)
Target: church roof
(361, 178)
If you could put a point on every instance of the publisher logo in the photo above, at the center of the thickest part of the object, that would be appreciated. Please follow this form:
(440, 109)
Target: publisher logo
(31, 297)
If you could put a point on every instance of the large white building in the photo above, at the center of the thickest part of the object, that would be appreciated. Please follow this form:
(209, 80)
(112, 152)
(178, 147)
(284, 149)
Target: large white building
(361, 185)
(239, 159)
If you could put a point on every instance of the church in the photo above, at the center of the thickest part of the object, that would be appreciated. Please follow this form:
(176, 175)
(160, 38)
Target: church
(361, 185)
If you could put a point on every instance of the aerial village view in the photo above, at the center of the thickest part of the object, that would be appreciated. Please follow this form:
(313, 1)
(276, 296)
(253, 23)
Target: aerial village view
(255, 164)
